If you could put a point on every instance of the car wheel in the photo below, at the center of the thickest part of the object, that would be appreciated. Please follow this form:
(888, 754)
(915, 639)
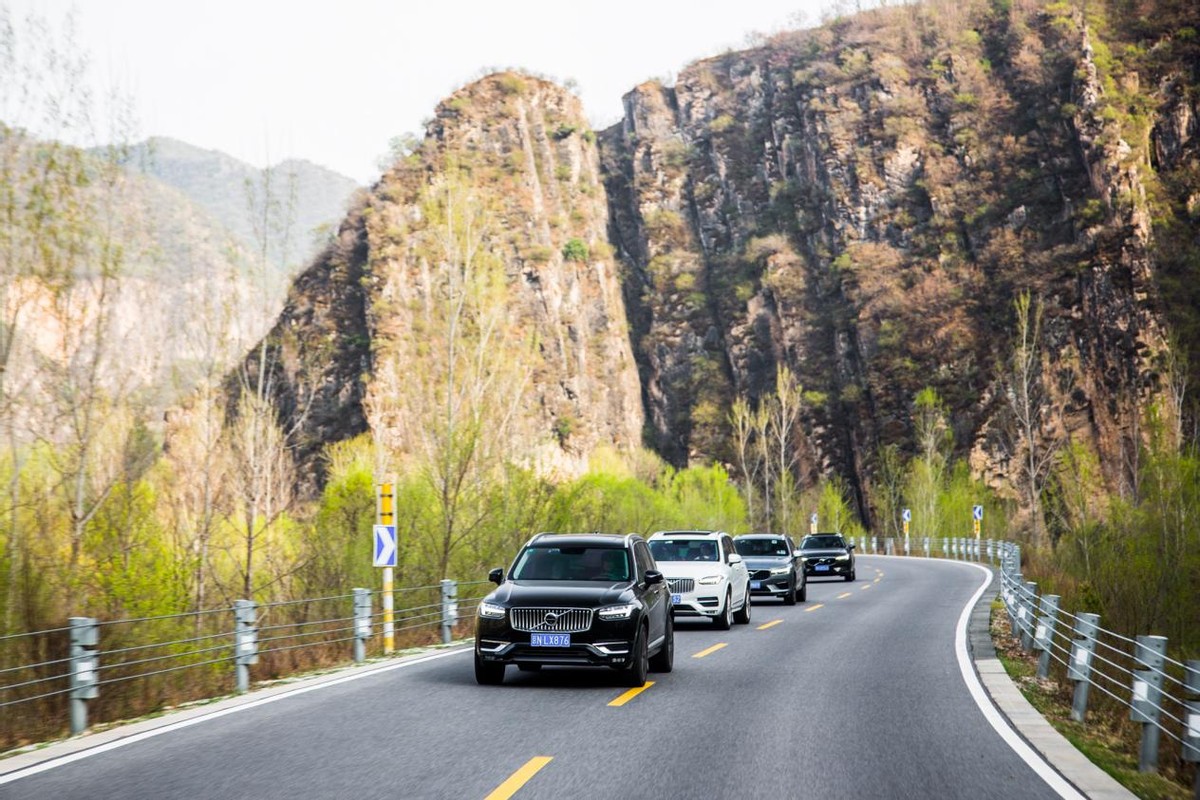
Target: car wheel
(664, 659)
(488, 674)
(789, 599)
(635, 673)
(742, 616)
(803, 594)
(529, 667)
(851, 576)
(723, 622)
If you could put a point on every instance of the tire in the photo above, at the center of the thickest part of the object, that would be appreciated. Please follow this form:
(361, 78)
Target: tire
(635, 673)
(803, 595)
(664, 659)
(725, 621)
(789, 599)
(742, 615)
(488, 674)
(529, 667)
(852, 576)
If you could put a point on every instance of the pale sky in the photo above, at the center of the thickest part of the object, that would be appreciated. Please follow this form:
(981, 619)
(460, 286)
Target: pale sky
(333, 82)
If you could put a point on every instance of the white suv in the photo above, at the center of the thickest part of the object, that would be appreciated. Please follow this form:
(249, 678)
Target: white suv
(705, 574)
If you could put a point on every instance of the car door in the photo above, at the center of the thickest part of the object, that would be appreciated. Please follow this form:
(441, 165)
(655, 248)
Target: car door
(655, 597)
(739, 576)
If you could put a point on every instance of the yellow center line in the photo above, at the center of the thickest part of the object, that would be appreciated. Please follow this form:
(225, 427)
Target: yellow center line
(770, 624)
(843, 595)
(814, 608)
(629, 695)
(710, 650)
(866, 586)
(519, 778)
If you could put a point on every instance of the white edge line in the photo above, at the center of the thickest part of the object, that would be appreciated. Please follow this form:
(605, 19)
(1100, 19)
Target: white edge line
(62, 761)
(992, 714)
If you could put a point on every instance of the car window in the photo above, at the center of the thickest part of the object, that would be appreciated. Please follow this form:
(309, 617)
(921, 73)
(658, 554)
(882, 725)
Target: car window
(644, 560)
(683, 550)
(572, 564)
(762, 547)
(821, 541)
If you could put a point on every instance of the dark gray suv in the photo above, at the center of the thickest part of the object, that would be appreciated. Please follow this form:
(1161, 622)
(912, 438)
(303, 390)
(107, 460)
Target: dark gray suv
(774, 565)
(828, 555)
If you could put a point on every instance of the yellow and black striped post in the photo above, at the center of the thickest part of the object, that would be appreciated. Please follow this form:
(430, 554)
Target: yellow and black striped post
(385, 513)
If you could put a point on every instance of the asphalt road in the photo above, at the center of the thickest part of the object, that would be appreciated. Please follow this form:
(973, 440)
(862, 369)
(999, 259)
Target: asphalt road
(855, 694)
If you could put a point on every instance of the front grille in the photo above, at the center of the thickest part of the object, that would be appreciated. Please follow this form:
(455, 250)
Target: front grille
(821, 560)
(760, 574)
(681, 585)
(561, 620)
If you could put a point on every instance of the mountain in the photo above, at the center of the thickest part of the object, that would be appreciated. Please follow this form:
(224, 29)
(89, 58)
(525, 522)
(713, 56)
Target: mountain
(862, 203)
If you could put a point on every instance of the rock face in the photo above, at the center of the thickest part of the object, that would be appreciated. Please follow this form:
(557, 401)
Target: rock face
(860, 203)
(359, 320)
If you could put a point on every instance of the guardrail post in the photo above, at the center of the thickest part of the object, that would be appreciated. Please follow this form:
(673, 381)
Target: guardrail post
(1191, 732)
(1079, 668)
(245, 641)
(85, 636)
(362, 623)
(1043, 637)
(449, 609)
(927, 547)
(1025, 608)
(906, 551)
(1150, 653)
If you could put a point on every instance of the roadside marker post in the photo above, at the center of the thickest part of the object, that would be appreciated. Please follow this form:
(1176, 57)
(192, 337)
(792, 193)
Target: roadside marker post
(362, 623)
(1080, 667)
(1043, 636)
(386, 516)
(1151, 654)
(85, 685)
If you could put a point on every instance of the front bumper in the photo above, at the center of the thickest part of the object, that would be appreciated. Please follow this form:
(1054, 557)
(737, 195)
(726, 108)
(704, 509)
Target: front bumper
(831, 568)
(772, 586)
(704, 602)
(605, 644)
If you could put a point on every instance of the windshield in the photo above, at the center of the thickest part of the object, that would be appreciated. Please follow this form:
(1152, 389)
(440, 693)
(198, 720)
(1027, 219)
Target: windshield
(683, 550)
(572, 564)
(822, 541)
(761, 547)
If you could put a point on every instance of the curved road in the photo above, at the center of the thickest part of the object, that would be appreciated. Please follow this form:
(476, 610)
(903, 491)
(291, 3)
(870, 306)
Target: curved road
(856, 693)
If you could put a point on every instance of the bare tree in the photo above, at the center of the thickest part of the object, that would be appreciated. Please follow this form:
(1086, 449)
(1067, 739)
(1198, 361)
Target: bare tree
(454, 370)
(1033, 443)
(782, 427)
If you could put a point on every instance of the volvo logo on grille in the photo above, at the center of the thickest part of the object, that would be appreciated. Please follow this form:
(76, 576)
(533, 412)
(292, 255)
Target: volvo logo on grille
(552, 618)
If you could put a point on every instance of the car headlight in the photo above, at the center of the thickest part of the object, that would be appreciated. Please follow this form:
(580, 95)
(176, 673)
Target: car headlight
(623, 611)
(844, 558)
(780, 570)
(491, 611)
(711, 580)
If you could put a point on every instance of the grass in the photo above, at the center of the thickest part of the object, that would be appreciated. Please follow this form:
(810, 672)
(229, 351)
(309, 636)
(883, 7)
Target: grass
(1100, 740)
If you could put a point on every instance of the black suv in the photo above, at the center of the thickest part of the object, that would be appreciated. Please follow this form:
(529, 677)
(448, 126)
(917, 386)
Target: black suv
(828, 555)
(578, 600)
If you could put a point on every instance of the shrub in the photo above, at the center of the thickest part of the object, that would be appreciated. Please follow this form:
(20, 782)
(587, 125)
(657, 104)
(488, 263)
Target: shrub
(575, 250)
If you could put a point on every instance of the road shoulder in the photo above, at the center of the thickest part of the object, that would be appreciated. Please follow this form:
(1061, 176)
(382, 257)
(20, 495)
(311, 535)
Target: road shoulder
(1024, 718)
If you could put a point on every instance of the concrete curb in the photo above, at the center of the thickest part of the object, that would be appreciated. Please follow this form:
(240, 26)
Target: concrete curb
(1059, 753)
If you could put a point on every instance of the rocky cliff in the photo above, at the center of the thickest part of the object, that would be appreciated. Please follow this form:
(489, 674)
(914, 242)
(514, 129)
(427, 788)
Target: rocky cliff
(860, 202)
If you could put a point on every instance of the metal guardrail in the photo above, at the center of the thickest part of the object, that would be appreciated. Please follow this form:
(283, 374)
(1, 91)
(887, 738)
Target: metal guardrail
(62, 673)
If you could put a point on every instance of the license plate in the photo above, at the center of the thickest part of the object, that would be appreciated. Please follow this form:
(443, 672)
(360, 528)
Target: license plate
(676, 599)
(549, 640)
(822, 568)
(755, 584)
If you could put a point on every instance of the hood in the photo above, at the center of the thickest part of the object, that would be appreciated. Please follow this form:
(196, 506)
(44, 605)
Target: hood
(820, 552)
(581, 594)
(690, 569)
(766, 562)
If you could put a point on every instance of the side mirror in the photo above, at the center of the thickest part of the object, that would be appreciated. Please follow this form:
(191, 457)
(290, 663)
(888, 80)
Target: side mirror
(734, 558)
(850, 546)
(496, 576)
(653, 576)
(797, 554)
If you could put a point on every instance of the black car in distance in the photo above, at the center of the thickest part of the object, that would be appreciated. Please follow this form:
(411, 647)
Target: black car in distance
(828, 555)
(774, 565)
(577, 600)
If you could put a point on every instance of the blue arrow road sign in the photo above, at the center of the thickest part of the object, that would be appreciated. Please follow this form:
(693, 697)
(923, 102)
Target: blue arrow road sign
(385, 545)
(977, 513)
(906, 515)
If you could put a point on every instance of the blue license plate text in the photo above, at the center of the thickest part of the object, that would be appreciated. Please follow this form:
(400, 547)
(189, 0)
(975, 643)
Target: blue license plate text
(549, 640)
